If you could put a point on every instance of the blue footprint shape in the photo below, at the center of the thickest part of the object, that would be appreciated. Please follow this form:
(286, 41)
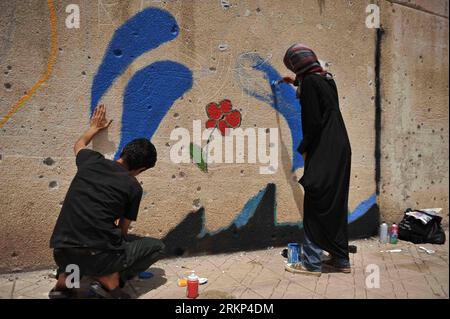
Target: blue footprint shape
(151, 91)
(283, 99)
(148, 97)
(143, 32)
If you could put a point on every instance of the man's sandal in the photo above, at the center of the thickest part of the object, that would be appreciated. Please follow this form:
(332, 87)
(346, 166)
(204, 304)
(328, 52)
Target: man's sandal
(97, 289)
(61, 294)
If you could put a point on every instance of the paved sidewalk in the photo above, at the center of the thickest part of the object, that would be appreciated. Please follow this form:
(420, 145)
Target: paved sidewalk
(411, 273)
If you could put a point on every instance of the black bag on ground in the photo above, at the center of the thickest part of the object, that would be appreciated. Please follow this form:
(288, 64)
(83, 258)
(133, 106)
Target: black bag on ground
(418, 232)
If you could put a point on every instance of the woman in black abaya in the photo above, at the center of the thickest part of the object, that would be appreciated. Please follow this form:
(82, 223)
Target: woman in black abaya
(327, 153)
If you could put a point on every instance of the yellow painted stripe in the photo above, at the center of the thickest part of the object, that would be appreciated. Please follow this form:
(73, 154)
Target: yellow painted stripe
(50, 65)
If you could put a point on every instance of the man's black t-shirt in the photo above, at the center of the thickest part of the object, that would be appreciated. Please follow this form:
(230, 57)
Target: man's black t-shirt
(101, 192)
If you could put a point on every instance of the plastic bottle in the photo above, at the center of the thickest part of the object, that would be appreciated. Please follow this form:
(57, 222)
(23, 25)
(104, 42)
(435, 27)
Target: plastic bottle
(192, 286)
(393, 234)
(384, 233)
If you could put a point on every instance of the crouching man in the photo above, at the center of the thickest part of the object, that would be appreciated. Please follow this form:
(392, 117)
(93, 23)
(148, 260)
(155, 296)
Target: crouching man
(102, 200)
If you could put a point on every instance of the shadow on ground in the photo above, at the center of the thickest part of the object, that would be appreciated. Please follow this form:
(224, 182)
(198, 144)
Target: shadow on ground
(138, 287)
(135, 287)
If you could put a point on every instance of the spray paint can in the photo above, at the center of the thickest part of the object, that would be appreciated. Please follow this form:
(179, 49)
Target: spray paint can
(192, 286)
(293, 253)
(393, 234)
(384, 233)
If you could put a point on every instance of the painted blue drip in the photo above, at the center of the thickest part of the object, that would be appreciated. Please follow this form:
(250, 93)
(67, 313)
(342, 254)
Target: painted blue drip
(143, 32)
(284, 101)
(148, 97)
(362, 208)
(244, 216)
(249, 209)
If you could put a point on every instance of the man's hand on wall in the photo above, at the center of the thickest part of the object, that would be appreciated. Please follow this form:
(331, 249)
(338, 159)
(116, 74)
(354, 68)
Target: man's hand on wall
(98, 120)
(98, 123)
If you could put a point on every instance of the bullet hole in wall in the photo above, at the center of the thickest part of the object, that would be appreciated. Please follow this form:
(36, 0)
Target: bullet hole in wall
(196, 203)
(53, 184)
(199, 189)
(118, 53)
(48, 161)
(8, 86)
(176, 115)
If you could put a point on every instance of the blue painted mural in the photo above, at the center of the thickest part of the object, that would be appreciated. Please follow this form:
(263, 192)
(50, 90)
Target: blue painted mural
(149, 95)
(151, 92)
(143, 32)
(256, 227)
(283, 98)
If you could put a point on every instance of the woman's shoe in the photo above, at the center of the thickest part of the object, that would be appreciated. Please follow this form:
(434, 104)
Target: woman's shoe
(335, 266)
(298, 268)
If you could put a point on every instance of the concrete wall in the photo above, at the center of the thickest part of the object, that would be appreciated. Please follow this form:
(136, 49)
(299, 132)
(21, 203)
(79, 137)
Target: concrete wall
(53, 75)
(414, 135)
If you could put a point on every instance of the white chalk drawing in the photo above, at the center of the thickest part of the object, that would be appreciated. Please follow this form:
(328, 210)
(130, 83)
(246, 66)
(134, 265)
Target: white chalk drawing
(103, 13)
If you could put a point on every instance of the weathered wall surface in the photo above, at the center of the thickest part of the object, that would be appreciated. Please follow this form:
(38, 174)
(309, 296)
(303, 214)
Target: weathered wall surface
(156, 65)
(414, 135)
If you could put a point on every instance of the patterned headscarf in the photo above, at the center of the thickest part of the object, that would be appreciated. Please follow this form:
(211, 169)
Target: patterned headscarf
(302, 60)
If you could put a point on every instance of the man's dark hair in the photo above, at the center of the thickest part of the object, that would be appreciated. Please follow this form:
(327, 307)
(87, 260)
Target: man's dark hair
(139, 153)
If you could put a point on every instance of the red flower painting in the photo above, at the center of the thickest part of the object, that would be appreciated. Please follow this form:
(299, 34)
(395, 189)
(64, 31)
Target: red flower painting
(222, 116)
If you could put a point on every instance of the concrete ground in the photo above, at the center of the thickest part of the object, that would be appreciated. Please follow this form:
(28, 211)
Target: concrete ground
(411, 273)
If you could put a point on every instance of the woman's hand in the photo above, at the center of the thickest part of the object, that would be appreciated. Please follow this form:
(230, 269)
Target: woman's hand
(289, 80)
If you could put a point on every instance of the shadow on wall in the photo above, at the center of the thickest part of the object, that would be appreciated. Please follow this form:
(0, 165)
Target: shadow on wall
(255, 228)
(149, 95)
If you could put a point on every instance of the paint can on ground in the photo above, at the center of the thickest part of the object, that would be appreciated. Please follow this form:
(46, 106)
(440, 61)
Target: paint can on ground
(384, 233)
(192, 286)
(293, 253)
(393, 234)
